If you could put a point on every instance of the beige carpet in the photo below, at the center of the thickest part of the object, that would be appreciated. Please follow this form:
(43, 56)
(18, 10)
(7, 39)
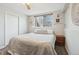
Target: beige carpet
(61, 50)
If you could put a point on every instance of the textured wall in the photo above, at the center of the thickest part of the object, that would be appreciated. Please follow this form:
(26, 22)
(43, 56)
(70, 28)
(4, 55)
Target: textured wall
(71, 33)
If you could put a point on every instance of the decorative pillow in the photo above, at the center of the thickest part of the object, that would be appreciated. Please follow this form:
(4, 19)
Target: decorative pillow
(41, 32)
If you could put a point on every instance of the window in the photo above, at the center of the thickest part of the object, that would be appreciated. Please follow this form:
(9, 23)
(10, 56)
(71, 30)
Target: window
(43, 21)
(47, 21)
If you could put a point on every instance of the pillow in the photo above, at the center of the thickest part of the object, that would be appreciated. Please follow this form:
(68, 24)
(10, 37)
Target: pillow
(41, 32)
(50, 31)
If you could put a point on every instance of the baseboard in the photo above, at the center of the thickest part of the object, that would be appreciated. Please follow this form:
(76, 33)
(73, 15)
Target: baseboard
(67, 50)
(54, 51)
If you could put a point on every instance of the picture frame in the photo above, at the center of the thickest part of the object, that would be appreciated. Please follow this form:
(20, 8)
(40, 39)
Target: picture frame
(57, 20)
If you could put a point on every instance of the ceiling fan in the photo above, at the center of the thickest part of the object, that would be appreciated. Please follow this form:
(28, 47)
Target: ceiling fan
(28, 5)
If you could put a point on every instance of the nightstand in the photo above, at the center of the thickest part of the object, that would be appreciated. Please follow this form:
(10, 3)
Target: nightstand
(60, 40)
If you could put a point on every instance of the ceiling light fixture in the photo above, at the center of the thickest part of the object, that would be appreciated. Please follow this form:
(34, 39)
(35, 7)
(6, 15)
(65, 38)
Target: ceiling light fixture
(28, 5)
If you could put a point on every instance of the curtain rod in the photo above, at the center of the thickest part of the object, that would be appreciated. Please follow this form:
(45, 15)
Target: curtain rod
(43, 14)
(47, 13)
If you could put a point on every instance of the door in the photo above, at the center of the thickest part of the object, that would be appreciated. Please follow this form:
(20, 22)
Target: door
(22, 24)
(11, 26)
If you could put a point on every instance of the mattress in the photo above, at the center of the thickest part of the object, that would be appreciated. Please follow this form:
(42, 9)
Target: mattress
(50, 38)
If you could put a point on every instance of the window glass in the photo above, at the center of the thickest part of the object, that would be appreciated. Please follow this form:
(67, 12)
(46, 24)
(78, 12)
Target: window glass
(43, 21)
(47, 21)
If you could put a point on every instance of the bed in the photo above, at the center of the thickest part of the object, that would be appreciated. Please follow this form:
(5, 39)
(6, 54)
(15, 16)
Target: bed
(31, 44)
(50, 38)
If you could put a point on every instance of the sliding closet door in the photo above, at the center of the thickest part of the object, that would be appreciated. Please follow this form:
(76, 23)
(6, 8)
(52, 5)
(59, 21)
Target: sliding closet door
(22, 24)
(11, 24)
(1, 28)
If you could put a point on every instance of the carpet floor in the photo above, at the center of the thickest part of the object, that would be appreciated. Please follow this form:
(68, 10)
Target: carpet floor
(60, 50)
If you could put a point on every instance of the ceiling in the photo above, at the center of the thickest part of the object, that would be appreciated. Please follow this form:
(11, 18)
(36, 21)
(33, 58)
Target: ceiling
(36, 7)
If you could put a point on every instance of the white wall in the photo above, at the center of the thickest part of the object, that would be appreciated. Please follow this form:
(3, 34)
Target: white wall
(1, 27)
(11, 24)
(59, 27)
(71, 33)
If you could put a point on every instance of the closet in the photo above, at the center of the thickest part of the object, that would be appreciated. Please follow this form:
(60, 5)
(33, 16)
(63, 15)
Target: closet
(22, 24)
(11, 25)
